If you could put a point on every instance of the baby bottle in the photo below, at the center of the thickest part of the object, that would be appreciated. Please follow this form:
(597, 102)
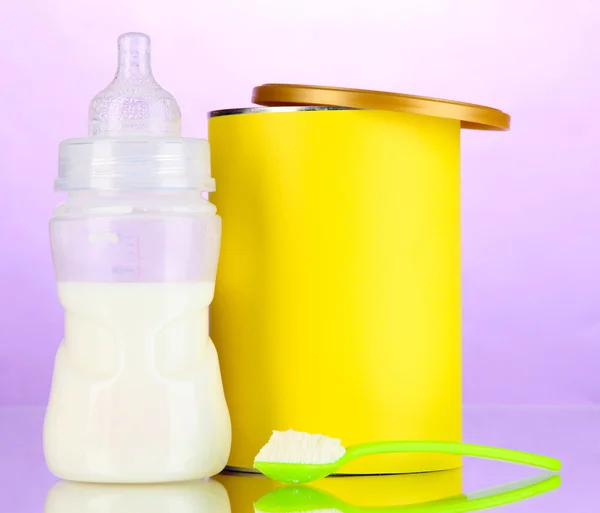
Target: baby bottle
(136, 393)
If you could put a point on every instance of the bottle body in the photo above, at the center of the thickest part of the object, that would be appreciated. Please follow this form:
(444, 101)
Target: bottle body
(136, 393)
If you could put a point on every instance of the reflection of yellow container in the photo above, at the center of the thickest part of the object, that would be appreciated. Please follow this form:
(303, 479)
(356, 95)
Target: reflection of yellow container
(245, 489)
(337, 306)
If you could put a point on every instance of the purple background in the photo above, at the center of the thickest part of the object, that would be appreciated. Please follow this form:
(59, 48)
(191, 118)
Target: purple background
(530, 196)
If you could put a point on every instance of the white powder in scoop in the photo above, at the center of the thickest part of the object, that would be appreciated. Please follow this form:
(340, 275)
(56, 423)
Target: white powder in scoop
(296, 447)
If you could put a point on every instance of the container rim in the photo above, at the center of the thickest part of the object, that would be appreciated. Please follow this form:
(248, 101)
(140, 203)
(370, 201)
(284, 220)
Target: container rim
(256, 110)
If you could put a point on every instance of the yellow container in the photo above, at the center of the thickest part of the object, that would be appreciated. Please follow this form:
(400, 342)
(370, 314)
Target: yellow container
(337, 304)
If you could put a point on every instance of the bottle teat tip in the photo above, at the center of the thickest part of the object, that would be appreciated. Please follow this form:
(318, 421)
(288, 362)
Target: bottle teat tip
(134, 37)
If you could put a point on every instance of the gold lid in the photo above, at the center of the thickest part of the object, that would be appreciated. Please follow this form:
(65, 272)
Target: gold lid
(471, 116)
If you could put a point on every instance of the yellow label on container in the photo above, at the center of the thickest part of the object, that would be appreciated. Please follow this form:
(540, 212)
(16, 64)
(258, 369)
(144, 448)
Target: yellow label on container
(337, 306)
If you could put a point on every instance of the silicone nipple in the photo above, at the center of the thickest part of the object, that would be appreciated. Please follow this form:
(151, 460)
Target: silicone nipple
(134, 103)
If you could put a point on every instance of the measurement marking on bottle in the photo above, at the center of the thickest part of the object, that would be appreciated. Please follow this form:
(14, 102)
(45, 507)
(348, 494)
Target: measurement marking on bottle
(130, 257)
(139, 257)
(121, 270)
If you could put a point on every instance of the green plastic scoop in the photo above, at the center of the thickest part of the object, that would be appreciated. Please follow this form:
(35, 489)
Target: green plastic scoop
(289, 499)
(305, 473)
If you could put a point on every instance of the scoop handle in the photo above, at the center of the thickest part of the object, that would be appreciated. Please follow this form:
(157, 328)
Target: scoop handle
(457, 448)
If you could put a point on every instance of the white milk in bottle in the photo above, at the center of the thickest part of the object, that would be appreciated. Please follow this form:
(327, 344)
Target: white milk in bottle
(136, 394)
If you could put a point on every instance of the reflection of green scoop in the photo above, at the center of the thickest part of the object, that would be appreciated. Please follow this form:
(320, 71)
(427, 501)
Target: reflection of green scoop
(290, 499)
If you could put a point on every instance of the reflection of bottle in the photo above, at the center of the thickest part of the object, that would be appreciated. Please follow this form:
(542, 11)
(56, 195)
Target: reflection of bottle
(136, 394)
(206, 496)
